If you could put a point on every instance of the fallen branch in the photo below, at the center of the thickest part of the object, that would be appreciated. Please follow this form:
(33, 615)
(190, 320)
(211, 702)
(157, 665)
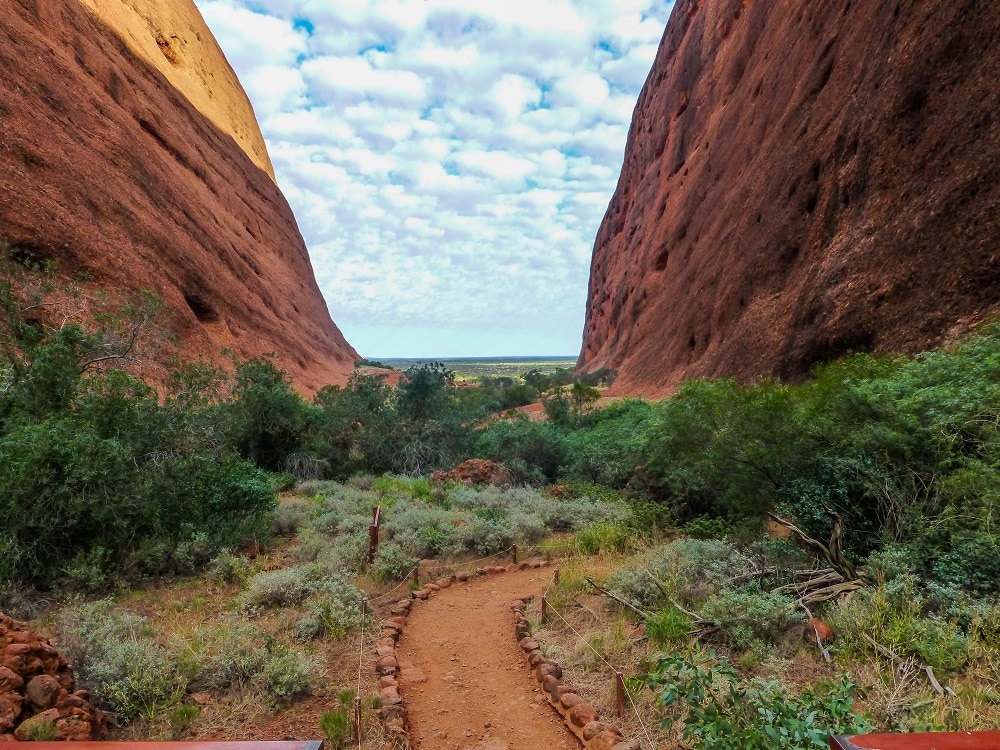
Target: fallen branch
(832, 592)
(743, 578)
(898, 662)
(832, 552)
(623, 602)
(697, 618)
(819, 639)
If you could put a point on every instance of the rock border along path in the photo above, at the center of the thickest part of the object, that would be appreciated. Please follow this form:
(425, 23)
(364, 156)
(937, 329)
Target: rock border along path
(452, 675)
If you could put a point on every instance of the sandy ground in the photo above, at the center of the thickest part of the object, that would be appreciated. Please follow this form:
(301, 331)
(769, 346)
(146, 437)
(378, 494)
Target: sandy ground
(464, 678)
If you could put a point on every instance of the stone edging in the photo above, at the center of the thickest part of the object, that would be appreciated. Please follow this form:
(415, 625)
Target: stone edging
(579, 716)
(393, 710)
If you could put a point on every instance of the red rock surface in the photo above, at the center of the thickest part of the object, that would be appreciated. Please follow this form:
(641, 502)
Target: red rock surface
(36, 687)
(801, 180)
(477, 471)
(106, 168)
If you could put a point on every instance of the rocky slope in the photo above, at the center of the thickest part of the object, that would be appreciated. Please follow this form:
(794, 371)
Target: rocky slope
(802, 180)
(133, 171)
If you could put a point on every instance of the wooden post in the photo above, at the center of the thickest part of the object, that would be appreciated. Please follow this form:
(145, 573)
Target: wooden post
(372, 542)
(515, 554)
(555, 577)
(373, 530)
(545, 608)
(364, 608)
(620, 685)
(416, 576)
(357, 719)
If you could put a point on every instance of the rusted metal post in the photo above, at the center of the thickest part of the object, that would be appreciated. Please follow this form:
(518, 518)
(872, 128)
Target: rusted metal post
(372, 543)
(620, 692)
(373, 530)
(515, 554)
(357, 719)
(545, 607)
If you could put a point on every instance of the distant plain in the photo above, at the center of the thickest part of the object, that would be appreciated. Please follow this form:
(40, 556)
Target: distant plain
(467, 368)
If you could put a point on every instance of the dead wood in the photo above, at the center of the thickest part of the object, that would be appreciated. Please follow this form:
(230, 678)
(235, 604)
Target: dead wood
(901, 663)
(623, 602)
(834, 552)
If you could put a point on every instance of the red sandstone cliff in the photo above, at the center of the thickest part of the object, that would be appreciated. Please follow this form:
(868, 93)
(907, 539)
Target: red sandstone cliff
(130, 176)
(802, 179)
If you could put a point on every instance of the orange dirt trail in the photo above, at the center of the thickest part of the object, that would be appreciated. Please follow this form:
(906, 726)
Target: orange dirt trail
(463, 677)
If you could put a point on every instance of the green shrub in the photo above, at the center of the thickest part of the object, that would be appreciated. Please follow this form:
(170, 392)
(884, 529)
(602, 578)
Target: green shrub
(181, 718)
(669, 627)
(338, 725)
(116, 657)
(532, 451)
(335, 611)
(689, 569)
(275, 588)
(722, 712)
(604, 538)
(230, 568)
(607, 447)
(746, 617)
(892, 614)
(287, 675)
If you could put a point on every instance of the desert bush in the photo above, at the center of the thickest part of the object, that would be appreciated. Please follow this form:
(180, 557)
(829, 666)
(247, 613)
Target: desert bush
(689, 569)
(236, 653)
(230, 568)
(289, 517)
(746, 617)
(287, 674)
(335, 610)
(117, 658)
(893, 615)
(285, 586)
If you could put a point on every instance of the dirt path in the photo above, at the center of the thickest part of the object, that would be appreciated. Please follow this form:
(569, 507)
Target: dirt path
(464, 678)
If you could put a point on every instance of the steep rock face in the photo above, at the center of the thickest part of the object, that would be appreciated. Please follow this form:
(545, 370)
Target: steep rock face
(109, 169)
(173, 38)
(802, 180)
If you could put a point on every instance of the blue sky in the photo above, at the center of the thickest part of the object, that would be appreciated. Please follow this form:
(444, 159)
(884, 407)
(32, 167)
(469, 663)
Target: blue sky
(448, 161)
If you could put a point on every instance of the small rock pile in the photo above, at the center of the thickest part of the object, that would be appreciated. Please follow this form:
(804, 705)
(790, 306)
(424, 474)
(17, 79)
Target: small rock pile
(581, 718)
(477, 471)
(36, 690)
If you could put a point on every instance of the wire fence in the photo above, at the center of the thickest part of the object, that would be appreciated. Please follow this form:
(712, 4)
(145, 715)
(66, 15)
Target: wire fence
(548, 608)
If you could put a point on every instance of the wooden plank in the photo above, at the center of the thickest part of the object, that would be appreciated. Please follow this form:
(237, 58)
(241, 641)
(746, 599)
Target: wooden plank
(196, 745)
(919, 741)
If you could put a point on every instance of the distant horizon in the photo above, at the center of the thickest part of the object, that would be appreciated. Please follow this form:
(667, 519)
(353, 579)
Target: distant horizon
(488, 358)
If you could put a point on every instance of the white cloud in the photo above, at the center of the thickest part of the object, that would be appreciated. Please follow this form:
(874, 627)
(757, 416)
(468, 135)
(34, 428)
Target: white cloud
(448, 161)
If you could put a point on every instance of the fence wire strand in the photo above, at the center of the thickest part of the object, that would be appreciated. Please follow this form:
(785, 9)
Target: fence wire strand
(599, 655)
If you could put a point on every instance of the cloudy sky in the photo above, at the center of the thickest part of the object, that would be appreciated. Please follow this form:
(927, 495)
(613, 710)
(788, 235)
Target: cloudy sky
(448, 161)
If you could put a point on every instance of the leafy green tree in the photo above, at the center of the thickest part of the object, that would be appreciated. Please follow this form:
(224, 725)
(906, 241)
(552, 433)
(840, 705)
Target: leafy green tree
(423, 392)
(269, 421)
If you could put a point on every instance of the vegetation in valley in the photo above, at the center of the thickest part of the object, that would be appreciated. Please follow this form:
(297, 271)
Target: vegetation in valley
(879, 472)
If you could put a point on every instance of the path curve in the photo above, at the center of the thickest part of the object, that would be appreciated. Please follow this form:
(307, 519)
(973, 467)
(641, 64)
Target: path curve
(464, 678)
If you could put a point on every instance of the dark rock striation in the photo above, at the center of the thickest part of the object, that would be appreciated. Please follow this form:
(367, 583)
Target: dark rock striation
(108, 169)
(802, 180)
